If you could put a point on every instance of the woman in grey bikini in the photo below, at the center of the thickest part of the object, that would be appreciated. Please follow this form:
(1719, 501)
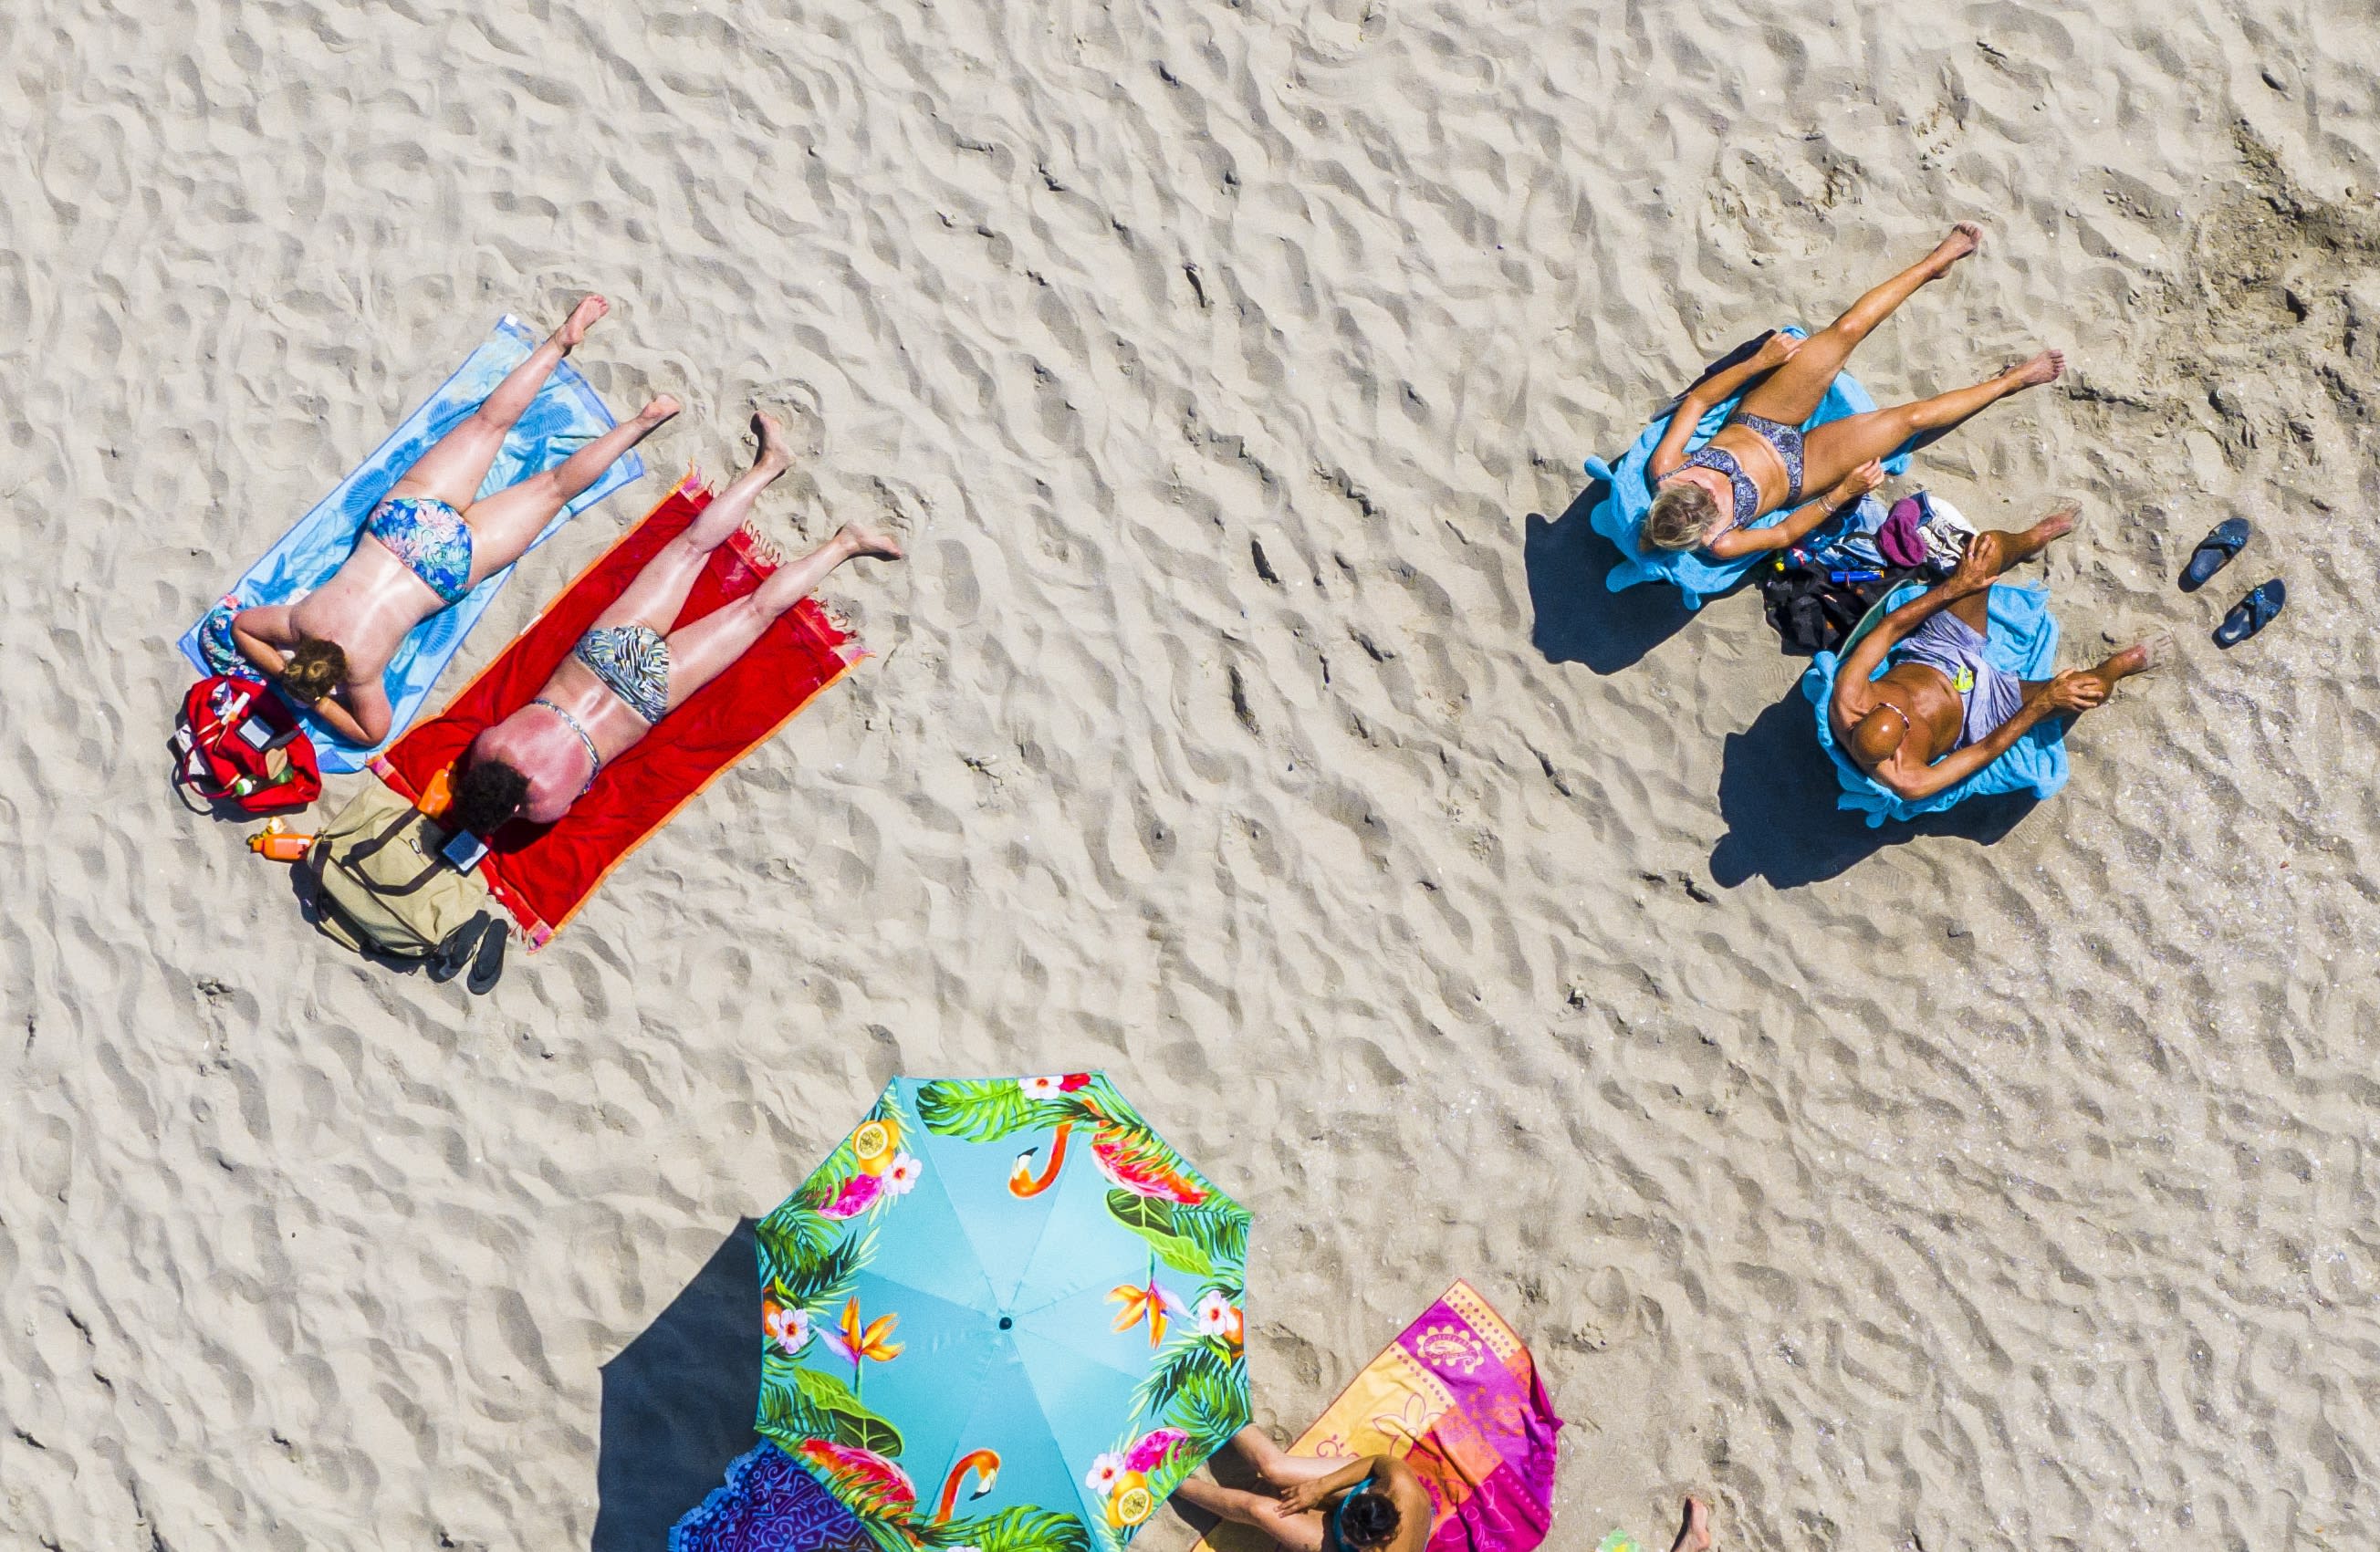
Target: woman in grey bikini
(429, 543)
(1373, 1503)
(1760, 461)
(625, 675)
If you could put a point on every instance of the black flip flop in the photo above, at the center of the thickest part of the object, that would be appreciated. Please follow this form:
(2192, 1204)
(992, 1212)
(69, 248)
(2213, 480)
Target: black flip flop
(2214, 552)
(2251, 614)
(455, 951)
(488, 964)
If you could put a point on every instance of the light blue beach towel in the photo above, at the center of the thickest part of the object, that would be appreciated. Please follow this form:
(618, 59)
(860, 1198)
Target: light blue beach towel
(1620, 516)
(2022, 640)
(565, 416)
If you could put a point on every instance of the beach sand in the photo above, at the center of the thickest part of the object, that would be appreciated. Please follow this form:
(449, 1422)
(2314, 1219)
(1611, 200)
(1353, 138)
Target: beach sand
(1250, 721)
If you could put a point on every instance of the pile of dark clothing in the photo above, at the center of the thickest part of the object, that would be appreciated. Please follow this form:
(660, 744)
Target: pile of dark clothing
(1816, 593)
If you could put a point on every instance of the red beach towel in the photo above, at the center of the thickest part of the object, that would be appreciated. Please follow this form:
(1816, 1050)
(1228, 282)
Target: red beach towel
(544, 873)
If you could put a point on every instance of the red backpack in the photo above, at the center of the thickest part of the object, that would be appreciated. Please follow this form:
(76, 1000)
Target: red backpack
(241, 744)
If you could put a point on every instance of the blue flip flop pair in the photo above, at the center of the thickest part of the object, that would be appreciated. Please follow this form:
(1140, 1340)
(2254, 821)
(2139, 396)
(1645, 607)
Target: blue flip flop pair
(2251, 614)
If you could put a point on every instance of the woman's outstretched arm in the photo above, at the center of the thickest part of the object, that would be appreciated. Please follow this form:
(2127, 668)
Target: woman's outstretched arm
(1715, 389)
(1738, 542)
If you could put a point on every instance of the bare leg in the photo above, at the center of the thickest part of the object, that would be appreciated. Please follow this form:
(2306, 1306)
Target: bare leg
(1840, 446)
(506, 524)
(452, 466)
(1277, 1466)
(1299, 1533)
(659, 590)
(1693, 1528)
(2004, 548)
(703, 650)
(1792, 393)
(2139, 657)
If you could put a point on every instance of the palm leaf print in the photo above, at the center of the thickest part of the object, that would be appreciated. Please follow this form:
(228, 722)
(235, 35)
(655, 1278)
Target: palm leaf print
(986, 1109)
(1013, 1530)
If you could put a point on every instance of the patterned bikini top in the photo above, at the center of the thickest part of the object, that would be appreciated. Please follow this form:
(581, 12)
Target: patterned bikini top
(1718, 460)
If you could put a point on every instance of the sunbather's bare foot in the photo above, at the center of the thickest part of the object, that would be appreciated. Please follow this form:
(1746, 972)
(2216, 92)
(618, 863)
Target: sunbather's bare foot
(2154, 652)
(867, 541)
(2047, 367)
(1992, 552)
(661, 408)
(582, 318)
(776, 452)
(1963, 239)
(1694, 1530)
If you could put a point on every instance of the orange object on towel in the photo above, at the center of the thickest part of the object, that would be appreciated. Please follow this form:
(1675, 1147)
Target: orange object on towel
(544, 873)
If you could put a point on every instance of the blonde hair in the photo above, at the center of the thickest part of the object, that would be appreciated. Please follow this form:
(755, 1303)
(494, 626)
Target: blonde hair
(1681, 514)
(313, 669)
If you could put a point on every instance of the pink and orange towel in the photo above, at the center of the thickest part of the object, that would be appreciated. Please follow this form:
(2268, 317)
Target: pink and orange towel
(1456, 1398)
(544, 873)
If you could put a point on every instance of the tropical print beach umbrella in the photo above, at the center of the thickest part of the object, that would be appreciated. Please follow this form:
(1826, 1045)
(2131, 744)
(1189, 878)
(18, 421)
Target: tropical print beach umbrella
(1003, 1314)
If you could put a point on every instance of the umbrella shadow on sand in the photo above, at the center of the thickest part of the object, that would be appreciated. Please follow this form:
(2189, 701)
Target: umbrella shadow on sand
(1777, 792)
(1579, 619)
(678, 1402)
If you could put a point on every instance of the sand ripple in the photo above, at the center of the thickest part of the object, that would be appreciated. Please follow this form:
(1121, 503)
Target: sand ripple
(1250, 721)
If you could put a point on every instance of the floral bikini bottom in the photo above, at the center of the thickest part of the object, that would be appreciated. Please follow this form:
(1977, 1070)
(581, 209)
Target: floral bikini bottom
(430, 537)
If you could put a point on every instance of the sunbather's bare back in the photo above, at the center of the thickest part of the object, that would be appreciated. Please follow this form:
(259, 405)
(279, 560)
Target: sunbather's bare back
(369, 608)
(430, 542)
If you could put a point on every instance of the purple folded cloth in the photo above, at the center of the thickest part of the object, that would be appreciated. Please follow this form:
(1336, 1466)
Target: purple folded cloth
(769, 1504)
(1900, 539)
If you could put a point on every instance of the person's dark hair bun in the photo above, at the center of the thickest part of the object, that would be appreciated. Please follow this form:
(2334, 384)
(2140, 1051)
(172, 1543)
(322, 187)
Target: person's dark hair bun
(1368, 1519)
(487, 794)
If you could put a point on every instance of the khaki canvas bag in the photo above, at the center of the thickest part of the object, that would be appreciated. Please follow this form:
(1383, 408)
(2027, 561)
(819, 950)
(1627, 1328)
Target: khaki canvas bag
(383, 888)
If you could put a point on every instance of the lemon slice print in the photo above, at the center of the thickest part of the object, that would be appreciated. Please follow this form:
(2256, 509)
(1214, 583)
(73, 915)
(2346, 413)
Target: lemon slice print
(872, 1144)
(1132, 1506)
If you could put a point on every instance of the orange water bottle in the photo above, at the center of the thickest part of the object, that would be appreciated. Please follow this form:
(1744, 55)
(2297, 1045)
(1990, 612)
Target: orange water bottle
(277, 843)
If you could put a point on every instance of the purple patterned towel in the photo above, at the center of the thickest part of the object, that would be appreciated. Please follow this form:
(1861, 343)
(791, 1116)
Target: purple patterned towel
(769, 1504)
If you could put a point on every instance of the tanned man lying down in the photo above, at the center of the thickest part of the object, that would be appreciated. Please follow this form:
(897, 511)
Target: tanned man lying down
(1941, 712)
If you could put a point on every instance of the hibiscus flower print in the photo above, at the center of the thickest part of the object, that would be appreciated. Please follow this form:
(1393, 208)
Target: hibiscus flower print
(902, 1174)
(1105, 1473)
(788, 1328)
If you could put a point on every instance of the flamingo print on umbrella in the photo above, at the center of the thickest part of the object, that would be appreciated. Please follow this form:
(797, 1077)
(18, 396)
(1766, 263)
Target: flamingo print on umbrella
(1119, 1149)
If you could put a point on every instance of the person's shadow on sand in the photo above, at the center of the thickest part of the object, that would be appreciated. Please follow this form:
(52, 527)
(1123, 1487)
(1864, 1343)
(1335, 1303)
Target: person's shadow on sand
(678, 1402)
(1777, 792)
(1579, 619)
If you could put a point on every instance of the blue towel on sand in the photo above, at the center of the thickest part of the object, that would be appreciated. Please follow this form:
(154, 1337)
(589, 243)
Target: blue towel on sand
(1620, 516)
(2022, 640)
(565, 416)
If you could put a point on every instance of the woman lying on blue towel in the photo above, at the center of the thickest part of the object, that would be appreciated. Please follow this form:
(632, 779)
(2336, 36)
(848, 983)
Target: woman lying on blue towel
(425, 546)
(1760, 461)
(1941, 711)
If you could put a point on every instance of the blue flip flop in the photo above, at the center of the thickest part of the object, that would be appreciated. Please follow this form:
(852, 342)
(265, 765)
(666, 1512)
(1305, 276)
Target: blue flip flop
(2214, 552)
(2251, 614)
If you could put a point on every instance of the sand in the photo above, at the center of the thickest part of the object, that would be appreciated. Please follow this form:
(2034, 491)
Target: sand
(1250, 721)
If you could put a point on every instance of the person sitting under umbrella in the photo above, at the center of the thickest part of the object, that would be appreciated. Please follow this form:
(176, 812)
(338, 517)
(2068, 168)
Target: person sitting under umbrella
(1373, 1503)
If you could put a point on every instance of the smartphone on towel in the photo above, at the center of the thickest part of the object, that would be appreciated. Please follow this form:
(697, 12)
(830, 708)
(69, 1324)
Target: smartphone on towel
(463, 851)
